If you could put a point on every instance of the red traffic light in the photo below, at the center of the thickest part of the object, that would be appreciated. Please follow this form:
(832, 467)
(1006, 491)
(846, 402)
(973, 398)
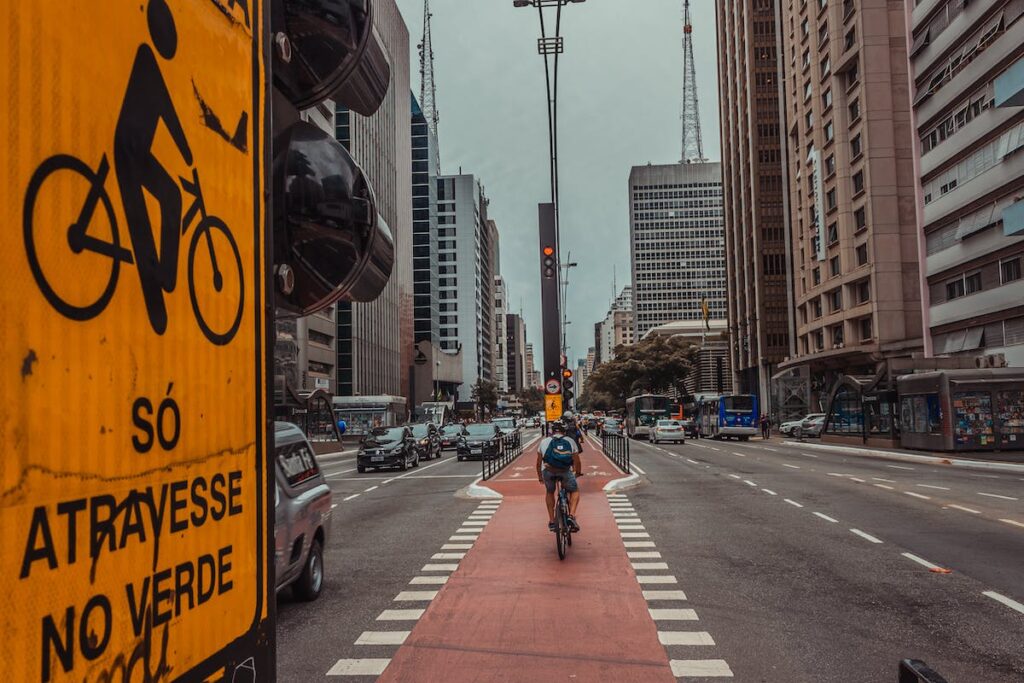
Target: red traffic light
(549, 251)
(567, 373)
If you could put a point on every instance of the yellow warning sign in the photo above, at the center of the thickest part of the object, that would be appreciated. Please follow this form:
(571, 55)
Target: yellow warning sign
(133, 492)
(553, 407)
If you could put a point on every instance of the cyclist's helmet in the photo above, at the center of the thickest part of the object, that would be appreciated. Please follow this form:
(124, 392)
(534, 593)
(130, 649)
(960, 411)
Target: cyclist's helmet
(558, 427)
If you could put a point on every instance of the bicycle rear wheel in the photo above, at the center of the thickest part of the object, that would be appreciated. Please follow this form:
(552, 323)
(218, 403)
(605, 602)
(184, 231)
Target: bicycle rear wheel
(561, 532)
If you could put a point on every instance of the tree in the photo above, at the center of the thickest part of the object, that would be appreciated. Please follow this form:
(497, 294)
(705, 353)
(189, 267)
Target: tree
(532, 400)
(485, 395)
(656, 364)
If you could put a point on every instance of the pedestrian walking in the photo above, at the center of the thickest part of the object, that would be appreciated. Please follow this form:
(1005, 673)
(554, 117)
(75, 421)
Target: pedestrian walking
(766, 427)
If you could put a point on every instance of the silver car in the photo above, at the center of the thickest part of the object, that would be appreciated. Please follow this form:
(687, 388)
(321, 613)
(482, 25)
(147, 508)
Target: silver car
(302, 514)
(668, 430)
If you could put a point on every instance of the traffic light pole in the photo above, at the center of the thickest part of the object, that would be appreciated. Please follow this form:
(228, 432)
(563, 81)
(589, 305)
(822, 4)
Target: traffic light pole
(549, 284)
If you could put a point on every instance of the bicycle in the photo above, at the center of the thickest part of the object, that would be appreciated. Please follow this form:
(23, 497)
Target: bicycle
(81, 242)
(563, 533)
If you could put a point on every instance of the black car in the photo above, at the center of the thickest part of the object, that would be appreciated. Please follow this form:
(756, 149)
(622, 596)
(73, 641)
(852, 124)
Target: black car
(428, 440)
(450, 435)
(481, 441)
(388, 447)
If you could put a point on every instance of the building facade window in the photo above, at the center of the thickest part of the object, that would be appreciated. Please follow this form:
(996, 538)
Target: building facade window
(1009, 270)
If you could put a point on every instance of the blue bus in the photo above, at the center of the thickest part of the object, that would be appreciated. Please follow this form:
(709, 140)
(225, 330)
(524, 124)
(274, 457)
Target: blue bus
(643, 411)
(732, 415)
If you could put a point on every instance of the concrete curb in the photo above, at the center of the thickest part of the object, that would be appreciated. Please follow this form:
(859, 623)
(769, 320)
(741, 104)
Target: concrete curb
(478, 491)
(987, 465)
(622, 483)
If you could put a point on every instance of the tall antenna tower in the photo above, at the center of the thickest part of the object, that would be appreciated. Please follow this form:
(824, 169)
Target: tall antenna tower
(428, 90)
(693, 147)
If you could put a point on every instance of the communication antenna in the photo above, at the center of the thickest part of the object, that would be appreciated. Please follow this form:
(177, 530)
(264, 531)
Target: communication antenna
(428, 89)
(693, 147)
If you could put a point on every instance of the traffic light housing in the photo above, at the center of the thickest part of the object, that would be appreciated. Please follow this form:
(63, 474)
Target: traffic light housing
(330, 242)
(548, 262)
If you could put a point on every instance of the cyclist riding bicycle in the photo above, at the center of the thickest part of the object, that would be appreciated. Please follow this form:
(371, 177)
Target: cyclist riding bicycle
(558, 459)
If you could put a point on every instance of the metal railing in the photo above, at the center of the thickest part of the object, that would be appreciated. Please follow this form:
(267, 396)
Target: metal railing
(916, 671)
(490, 465)
(616, 447)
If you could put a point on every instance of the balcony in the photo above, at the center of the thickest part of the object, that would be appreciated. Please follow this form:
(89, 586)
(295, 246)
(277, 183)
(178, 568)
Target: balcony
(1009, 86)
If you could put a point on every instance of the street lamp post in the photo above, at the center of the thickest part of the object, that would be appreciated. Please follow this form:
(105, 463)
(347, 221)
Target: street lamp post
(548, 46)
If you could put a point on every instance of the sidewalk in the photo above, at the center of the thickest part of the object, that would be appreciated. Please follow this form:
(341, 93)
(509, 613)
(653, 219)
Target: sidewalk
(1004, 461)
(514, 612)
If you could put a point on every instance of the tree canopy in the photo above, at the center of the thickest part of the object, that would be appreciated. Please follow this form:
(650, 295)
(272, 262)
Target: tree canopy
(485, 395)
(656, 364)
(532, 400)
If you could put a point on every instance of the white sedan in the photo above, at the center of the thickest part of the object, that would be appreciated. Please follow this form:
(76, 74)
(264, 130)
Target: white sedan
(668, 430)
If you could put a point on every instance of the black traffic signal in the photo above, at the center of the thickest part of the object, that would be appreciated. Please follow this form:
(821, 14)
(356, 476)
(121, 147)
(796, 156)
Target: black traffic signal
(567, 384)
(568, 396)
(548, 263)
(329, 239)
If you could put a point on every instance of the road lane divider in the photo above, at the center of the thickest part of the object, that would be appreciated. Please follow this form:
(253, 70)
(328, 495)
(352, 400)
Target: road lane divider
(826, 517)
(1009, 602)
(925, 563)
(866, 536)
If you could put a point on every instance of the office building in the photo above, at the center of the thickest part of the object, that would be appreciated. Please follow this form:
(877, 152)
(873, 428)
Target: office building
(375, 340)
(515, 353)
(677, 243)
(467, 258)
(967, 72)
(532, 374)
(425, 273)
(850, 189)
(755, 221)
(501, 379)
(616, 329)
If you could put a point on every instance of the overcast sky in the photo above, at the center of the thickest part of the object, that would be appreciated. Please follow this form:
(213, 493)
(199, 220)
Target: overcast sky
(619, 103)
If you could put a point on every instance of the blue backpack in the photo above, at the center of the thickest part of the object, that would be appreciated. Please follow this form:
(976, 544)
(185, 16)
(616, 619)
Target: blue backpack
(559, 452)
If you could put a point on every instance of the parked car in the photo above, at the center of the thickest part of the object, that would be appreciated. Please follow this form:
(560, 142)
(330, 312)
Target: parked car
(483, 440)
(689, 427)
(789, 428)
(428, 440)
(302, 514)
(388, 447)
(450, 435)
(812, 426)
(668, 430)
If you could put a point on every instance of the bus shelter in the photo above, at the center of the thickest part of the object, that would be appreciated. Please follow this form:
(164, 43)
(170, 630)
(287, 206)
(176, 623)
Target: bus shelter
(963, 410)
(862, 409)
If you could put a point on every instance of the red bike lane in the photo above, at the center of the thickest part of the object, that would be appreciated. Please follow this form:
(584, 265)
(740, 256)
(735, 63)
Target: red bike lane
(514, 612)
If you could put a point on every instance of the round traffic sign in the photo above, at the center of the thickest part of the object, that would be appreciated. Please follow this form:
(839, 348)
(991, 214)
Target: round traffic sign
(552, 386)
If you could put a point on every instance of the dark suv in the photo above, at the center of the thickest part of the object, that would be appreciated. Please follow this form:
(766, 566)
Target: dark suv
(388, 447)
(428, 440)
(481, 441)
(450, 435)
(302, 514)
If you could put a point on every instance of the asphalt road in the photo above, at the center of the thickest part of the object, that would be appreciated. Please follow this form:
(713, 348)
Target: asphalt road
(803, 565)
(386, 525)
(810, 566)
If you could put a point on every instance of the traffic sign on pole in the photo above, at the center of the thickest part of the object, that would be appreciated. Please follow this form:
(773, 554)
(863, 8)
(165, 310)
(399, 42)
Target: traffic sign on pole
(553, 407)
(134, 501)
(553, 386)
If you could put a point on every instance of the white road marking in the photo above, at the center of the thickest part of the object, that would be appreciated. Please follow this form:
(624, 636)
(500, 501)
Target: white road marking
(749, 483)
(917, 495)
(635, 534)
(921, 561)
(456, 546)
(770, 492)
(468, 531)
(638, 544)
(1013, 522)
(439, 567)
(1012, 604)
(809, 455)
(649, 565)
(338, 472)
(401, 614)
(890, 481)
(742, 455)
(387, 481)
(793, 503)
(859, 481)
(617, 495)
(382, 637)
(463, 537)
(735, 476)
(900, 467)
(714, 449)
(415, 596)
(826, 517)
(334, 506)
(996, 495)
(354, 495)
(685, 638)
(624, 515)
(632, 527)
(475, 522)
(372, 488)
(937, 488)
(656, 579)
(885, 486)
(633, 466)
(642, 555)
(673, 614)
(693, 461)
(792, 467)
(965, 509)
(359, 667)
(773, 450)
(429, 580)
(867, 537)
(835, 474)
(447, 556)
(664, 595)
(700, 668)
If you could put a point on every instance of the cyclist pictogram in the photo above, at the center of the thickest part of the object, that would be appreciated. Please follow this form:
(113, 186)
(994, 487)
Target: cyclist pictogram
(215, 274)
